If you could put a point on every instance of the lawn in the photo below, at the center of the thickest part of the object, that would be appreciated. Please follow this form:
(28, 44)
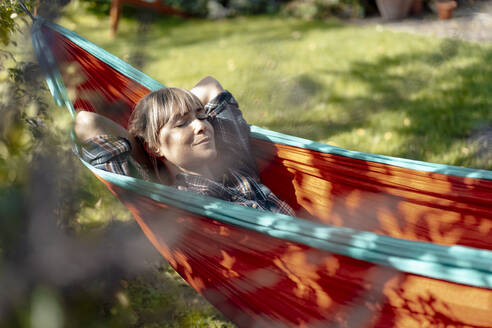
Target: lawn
(360, 88)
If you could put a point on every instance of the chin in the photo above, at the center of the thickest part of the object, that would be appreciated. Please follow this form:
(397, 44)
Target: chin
(210, 155)
(204, 155)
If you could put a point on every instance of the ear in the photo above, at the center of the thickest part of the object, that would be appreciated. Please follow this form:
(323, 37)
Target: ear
(157, 153)
(151, 151)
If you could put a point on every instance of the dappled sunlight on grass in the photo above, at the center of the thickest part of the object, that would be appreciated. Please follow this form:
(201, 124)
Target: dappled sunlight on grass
(325, 81)
(162, 298)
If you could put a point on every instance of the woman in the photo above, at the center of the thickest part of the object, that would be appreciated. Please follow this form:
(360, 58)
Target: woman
(195, 148)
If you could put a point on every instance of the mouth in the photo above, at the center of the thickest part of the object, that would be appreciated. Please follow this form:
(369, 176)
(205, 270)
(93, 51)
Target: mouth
(202, 141)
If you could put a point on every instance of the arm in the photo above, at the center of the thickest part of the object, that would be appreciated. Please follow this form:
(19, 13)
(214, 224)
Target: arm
(88, 125)
(230, 128)
(207, 89)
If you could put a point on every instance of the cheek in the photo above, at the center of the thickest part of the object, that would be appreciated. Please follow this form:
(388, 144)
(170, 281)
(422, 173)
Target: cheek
(175, 144)
(173, 139)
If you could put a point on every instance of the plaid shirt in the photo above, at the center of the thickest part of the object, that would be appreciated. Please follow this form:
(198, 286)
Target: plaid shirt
(110, 153)
(237, 178)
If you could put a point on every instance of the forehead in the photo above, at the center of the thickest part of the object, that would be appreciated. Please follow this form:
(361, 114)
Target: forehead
(182, 112)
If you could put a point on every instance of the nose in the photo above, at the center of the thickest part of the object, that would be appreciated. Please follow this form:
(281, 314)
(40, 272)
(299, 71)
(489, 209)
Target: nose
(199, 126)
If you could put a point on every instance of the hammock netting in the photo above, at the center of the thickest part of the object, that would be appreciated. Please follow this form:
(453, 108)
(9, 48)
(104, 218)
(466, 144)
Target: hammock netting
(377, 242)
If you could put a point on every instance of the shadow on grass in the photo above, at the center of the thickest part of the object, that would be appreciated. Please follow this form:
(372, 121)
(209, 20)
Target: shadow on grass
(444, 107)
(443, 93)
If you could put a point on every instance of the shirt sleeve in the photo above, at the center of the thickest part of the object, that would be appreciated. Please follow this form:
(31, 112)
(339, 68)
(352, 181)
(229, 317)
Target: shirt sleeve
(231, 134)
(109, 153)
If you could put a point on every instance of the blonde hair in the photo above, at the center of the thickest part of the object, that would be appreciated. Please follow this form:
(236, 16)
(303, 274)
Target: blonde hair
(157, 108)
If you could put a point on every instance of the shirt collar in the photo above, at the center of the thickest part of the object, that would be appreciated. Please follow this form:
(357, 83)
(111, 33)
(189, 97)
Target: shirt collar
(200, 184)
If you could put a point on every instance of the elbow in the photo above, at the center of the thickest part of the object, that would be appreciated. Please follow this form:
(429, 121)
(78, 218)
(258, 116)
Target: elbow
(210, 82)
(88, 125)
(213, 86)
(207, 89)
(210, 79)
(84, 122)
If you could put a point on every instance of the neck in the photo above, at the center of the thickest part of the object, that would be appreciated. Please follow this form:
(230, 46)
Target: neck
(203, 171)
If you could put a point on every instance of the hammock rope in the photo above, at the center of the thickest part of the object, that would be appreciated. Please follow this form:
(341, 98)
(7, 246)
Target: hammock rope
(27, 11)
(199, 242)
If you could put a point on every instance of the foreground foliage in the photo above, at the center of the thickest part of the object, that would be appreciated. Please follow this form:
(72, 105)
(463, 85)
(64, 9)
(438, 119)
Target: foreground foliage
(70, 253)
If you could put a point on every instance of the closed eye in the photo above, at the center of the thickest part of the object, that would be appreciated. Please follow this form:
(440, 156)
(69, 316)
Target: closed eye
(185, 119)
(202, 116)
(182, 121)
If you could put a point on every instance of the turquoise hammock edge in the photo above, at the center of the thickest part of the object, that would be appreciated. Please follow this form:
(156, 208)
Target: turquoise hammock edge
(280, 138)
(268, 135)
(459, 264)
(451, 263)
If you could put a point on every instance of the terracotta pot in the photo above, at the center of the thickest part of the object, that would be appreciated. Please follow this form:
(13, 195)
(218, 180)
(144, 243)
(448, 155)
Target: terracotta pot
(445, 8)
(394, 9)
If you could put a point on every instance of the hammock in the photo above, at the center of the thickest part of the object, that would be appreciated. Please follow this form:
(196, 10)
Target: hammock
(377, 242)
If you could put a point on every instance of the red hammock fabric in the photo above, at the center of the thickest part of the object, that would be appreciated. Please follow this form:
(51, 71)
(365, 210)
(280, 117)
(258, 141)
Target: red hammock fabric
(261, 281)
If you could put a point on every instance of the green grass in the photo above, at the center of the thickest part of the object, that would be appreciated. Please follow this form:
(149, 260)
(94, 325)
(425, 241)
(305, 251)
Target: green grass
(162, 299)
(360, 88)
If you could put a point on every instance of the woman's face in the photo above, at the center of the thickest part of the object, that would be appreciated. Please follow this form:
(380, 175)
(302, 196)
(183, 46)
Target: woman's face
(188, 141)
